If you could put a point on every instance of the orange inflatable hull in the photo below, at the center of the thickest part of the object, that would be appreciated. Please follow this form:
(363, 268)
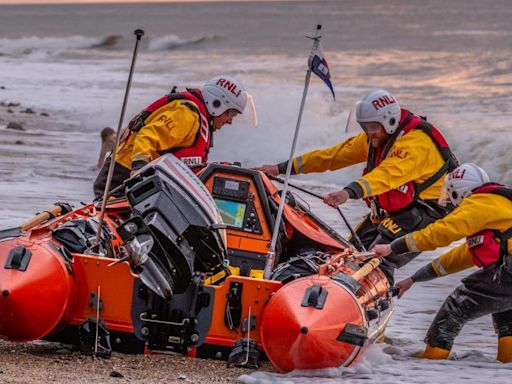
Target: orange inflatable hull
(23, 296)
(324, 319)
(296, 334)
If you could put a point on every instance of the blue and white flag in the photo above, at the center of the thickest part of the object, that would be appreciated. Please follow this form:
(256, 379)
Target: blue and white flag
(319, 66)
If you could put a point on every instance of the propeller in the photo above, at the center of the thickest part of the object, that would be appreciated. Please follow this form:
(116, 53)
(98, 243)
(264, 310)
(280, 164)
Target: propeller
(149, 270)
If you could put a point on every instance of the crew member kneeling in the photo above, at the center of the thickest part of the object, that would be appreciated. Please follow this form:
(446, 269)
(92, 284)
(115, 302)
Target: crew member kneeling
(484, 217)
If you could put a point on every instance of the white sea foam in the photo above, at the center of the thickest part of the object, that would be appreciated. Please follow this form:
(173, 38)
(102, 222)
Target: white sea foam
(26, 45)
(174, 41)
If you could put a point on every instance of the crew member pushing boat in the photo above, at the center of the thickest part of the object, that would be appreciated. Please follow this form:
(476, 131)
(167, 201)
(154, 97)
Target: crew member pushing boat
(484, 217)
(406, 158)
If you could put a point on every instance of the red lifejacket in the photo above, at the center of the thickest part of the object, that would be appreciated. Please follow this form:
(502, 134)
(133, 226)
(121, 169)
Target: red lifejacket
(489, 246)
(400, 198)
(197, 153)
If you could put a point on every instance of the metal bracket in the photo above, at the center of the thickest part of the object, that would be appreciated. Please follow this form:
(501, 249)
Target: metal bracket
(144, 318)
(93, 302)
(245, 324)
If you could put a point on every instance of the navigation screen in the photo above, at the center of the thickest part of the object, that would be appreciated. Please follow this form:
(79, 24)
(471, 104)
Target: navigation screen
(232, 213)
(229, 184)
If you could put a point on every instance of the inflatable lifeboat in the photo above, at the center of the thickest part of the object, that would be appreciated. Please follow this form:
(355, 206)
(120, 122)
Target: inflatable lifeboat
(179, 268)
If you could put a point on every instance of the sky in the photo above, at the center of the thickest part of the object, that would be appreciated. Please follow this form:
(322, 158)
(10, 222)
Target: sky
(101, 1)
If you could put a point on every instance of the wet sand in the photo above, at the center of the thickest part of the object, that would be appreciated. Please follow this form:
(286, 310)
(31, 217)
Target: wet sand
(44, 362)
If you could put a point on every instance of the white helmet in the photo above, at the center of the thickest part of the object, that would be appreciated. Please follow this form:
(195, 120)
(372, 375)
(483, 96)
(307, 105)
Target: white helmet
(381, 107)
(222, 93)
(460, 182)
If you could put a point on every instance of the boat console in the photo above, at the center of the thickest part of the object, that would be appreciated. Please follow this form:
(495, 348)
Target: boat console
(241, 199)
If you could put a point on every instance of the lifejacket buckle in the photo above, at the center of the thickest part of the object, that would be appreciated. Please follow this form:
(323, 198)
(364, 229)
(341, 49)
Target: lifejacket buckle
(377, 214)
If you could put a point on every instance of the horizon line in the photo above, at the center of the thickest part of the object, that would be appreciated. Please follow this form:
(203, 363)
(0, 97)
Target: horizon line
(71, 2)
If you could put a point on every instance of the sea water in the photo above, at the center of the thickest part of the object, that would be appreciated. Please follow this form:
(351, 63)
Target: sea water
(449, 61)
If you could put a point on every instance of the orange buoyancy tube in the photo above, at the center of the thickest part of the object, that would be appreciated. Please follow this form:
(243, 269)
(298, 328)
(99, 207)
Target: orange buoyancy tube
(398, 199)
(322, 321)
(489, 246)
(37, 288)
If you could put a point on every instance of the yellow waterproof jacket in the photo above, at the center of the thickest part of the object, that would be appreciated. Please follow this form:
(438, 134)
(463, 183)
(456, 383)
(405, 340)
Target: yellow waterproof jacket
(413, 157)
(476, 213)
(173, 125)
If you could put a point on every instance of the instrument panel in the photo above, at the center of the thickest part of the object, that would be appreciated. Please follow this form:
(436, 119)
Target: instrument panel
(243, 205)
(236, 204)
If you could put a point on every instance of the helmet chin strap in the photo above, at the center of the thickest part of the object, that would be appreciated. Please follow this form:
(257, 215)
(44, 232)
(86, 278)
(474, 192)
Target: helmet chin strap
(252, 108)
(210, 127)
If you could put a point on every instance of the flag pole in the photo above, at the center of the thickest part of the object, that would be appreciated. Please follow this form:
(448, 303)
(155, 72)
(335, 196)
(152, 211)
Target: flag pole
(271, 255)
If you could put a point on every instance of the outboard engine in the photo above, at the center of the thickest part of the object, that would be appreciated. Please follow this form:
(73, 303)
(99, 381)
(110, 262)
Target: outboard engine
(175, 228)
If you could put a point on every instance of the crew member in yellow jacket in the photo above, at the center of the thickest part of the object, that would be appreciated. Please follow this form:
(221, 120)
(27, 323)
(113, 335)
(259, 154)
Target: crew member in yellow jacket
(181, 123)
(484, 217)
(406, 159)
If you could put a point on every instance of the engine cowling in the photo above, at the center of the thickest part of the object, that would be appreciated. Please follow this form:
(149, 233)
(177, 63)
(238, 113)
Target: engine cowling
(171, 206)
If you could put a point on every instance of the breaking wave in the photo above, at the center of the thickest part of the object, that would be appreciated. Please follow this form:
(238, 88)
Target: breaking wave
(108, 42)
(28, 45)
(37, 45)
(173, 41)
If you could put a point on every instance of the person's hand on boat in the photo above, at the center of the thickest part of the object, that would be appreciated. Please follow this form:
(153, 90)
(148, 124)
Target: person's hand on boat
(272, 170)
(381, 250)
(336, 198)
(403, 286)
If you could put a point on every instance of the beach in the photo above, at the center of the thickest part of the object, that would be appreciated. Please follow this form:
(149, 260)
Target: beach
(55, 363)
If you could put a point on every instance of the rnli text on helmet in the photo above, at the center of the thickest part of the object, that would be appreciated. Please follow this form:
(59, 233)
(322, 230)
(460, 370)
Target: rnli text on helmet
(457, 174)
(231, 87)
(382, 101)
